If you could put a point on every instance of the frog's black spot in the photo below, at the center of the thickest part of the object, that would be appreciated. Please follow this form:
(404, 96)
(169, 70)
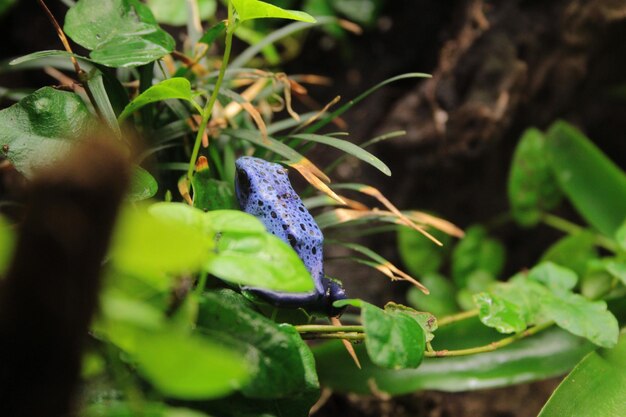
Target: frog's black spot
(302, 227)
(285, 226)
(244, 187)
(273, 214)
(280, 172)
(292, 240)
(260, 203)
(301, 208)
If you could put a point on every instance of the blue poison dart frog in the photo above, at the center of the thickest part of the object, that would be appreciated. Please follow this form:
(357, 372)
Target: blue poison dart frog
(263, 190)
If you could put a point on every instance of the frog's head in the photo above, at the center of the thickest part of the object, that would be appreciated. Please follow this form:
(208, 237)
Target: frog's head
(246, 171)
(333, 292)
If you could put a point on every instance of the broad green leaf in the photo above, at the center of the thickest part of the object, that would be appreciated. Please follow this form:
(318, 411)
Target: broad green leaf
(7, 245)
(189, 367)
(476, 251)
(119, 33)
(499, 313)
(595, 388)
(526, 295)
(142, 185)
(620, 236)
(211, 35)
(26, 61)
(440, 301)
(39, 129)
(394, 339)
(259, 260)
(591, 181)
(573, 251)
(235, 221)
(554, 277)
(173, 88)
(361, 11)
(256, 9)
(347, 147)
(175, 12)
(615, 268)
(281, 364)
(547, 354)
(596, 281)
(145, 244)
(418, 253)
(478, 281)
(582, 317)
(532, 188)
(146, 409)
(98, 91)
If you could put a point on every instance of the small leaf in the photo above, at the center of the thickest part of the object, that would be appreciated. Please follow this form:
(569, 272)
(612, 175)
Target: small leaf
(419, 255)
(142, 185)
(255, 9)
(394, 339)
(347, 147)
(595, 388)
(120, 33)
(173, 88)
(553, 276)
(591, 181)
(499, 313)
(582, 317)
(532, 188)
(226, 221)
(211, 35)
(260, 260)
(427, 321)
(476, 251)
(175, 12)
(440, 301)
(39, 129)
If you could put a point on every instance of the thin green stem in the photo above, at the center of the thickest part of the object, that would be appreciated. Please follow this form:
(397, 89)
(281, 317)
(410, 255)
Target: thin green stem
(570, 228)
(201, 283)
(208, 109)
(491, 346)
(324, 328)
(345, 336)
(444, 321)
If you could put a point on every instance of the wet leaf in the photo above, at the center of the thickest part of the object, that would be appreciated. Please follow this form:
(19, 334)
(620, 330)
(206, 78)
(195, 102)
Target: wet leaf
(499, 313)
(142, 185)
(255, 9)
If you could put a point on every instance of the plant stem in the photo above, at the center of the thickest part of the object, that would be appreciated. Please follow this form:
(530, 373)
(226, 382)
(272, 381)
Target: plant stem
(570, 228)
(208, 109)
(457, 317)
(324, 328)
(344, 336)
(491, 346)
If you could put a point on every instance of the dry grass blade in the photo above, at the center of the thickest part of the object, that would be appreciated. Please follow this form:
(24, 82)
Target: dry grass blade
(439, 224)
(335, 321)
(322, 112)
(316, 178)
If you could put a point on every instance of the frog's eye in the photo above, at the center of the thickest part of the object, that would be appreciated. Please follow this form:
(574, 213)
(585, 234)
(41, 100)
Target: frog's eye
(243, 187)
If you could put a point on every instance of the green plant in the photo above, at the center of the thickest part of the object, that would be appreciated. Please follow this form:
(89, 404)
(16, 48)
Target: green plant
(174, 324)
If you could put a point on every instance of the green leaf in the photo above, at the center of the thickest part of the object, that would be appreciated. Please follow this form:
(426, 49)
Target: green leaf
(119, 33)
(347, 147)
(532, 188)
(234, 221)
(255, 9)
(591, 181)
(211, 194)
(595, 388)
(142, 185)
(144, 244)
(553, 276)
(189, 367)
(582, 317)
(361, 11)
(418, 254)
(7, 245)
(440, 301)
(98, 91)
(211, 35)
(146, 409)
(547, 354)
(39, 129)
(427, 321)
(173, 88)
(259, 260)
(280, 361)
(175, 12)
(497, 312)
(573, 251)
(476, 251)
(620, 236)
(394, 339)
